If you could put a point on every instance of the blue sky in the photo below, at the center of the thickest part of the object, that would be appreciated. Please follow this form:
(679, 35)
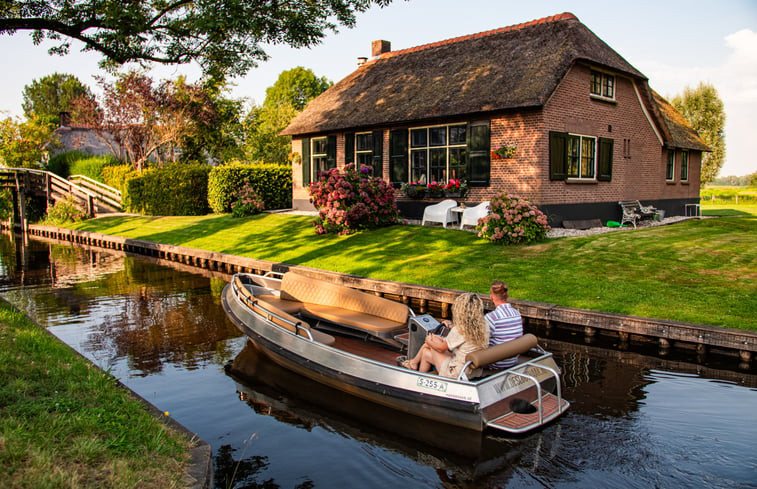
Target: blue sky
(674, 43)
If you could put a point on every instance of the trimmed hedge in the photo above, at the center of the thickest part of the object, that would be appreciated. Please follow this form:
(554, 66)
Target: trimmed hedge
(173, 190)
(117, 175)
(272, 182)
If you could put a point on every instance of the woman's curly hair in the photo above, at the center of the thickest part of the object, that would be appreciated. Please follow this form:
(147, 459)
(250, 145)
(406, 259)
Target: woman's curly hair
(468, 314)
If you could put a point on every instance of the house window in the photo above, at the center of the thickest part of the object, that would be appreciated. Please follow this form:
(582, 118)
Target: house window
(319, 155)
(364, 148)
(438, 153)
(582, 159)
(602, 85)
(684, 166)
(671, 165)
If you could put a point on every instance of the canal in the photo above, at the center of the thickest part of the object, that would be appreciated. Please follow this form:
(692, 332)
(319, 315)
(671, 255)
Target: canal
(637, 419)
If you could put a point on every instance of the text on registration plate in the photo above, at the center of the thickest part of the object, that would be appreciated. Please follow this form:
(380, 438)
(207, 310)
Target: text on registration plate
(432, 384)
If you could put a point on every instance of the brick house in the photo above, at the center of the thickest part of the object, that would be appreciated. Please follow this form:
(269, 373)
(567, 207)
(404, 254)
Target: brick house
(587, 129)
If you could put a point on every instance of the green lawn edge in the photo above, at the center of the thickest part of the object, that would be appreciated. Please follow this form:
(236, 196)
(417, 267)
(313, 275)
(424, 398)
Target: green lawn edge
(64, 423)
(699, 270)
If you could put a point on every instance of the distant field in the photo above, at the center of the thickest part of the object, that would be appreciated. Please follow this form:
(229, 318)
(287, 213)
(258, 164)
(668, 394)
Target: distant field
(728, 195)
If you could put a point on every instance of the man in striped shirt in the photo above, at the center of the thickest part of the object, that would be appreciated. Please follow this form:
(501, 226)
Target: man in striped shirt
(504, 322)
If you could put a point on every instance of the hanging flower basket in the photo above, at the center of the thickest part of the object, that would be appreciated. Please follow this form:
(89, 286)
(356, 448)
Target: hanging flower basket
(504, 151)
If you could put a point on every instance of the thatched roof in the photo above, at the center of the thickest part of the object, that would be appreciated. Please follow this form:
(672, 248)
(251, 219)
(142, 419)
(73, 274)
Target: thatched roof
(508, 68)
(679, 133)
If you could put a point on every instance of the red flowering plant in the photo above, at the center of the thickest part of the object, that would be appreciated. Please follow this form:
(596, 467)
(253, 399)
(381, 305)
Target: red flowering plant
(504, 151)
(456, 188)
(351, 199)
(513, 220)
(248, 202)
(434, 189)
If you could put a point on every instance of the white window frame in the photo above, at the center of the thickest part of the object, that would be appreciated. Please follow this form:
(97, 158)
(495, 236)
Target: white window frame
(604, 77)
(428, 148)
(672, 169)
(684, 165)
(314, 169)
(581, 178)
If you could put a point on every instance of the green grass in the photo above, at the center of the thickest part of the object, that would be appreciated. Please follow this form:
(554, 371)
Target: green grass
(66, 424)
(701, 271)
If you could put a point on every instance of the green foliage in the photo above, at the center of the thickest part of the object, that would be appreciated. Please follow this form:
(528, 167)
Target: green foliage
(60, 163)
(296, 87)
(65, 211)
(248, 203)
(6, 204)
(273, 183)
(22, 144)
(92, 166)
(703, 109)
(734, 181)
(753, 180)
(348, 200)
(171, 190)
(53, 94)
(116, 176)
(513, 220)
(224, 37)
(724, 195)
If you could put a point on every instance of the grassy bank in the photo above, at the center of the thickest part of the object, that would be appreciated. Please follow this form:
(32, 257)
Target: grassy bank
(701, 271)
(66, 424)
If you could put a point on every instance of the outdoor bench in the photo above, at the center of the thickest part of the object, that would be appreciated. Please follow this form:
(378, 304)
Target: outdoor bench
(633, 211)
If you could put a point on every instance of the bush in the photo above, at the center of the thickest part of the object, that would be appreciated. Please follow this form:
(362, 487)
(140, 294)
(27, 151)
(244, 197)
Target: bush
(116, 176)
(248, 203)
(349, 200)
(513, 220)
(61, 163)
(172, 190)
(65, 211)
(6, 204)
(79, 163)
(272, 183)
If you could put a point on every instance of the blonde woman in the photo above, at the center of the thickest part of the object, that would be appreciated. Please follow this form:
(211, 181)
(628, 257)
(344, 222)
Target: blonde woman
(469, 333)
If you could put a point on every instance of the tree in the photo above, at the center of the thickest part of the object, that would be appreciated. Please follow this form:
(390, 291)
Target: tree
(703, 109)
(223, 36)
(139, 120)
(53, 94)
(23, 143)
(296, 87)
(284, 99)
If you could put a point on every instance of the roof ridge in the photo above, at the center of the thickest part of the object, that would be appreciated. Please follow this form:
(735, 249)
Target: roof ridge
(544, 20)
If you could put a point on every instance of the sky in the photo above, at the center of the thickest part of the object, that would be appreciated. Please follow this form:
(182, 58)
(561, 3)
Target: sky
(675, 44)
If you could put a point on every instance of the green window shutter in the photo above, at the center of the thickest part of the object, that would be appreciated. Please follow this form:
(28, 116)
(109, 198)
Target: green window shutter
(378, 154)
(558, 155)
(398, 156)
(349, 148)
(605, 159)
(331, 152)
(305, 162)
(479, 154)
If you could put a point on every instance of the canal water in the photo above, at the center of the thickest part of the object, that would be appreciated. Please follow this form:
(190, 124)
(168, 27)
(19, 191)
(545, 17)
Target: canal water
(637, 420)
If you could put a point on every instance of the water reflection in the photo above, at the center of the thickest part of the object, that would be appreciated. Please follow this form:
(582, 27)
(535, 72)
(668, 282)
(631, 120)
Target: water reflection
(636, 420)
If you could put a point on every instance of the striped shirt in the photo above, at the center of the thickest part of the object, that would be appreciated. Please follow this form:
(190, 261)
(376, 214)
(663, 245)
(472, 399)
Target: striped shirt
(505, 324)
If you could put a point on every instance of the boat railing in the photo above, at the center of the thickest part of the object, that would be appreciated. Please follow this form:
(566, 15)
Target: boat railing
(538, 392)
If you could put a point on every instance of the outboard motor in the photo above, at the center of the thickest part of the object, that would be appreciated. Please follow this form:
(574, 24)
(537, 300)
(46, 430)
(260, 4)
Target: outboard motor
(418, 328)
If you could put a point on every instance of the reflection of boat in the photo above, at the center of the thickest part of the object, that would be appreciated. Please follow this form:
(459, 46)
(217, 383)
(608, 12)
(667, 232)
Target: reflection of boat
(286, 316)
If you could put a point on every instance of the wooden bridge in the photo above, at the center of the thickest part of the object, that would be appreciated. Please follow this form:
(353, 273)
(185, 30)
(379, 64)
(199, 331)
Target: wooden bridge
(89, 195)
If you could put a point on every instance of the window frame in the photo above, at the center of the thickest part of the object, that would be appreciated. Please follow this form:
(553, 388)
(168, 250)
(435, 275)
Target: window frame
(684, 165)
(363, 152)
(580, 158)
(605, 81)
(670, 166)
(424, 151)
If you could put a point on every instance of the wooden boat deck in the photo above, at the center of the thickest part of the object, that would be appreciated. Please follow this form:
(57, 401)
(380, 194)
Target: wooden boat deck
(517, 422)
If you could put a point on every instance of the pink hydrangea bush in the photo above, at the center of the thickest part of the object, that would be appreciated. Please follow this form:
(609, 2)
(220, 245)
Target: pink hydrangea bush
(513, 220)
(351, 199)
(248, 202)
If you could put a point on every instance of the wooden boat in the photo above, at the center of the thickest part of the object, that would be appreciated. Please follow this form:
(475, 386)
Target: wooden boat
(349, 340)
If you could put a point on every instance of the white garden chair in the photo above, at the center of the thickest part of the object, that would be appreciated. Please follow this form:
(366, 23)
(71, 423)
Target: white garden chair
(440, 213)
(471, 215)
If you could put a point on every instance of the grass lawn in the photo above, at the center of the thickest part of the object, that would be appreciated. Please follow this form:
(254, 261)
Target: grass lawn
(64, 423)
(701, 271)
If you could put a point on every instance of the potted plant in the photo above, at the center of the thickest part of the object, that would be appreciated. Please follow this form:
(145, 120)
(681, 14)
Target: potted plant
(455, 188)
(504, 151)
(435, 189)
(413, 190)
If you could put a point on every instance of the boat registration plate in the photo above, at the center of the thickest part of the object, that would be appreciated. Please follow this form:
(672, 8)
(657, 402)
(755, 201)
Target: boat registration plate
(432, 384)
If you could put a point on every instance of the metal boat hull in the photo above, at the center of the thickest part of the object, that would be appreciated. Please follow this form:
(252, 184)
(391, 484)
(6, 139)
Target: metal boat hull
(466, 404)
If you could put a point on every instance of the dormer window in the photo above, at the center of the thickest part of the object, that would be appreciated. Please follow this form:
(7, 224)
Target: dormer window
(602, 85)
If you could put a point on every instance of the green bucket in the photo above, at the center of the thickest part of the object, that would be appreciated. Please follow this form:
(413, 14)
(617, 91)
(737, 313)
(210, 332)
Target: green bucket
(613, 224)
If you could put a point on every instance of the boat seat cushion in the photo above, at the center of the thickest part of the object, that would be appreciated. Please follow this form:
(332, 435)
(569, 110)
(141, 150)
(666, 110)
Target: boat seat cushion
(343, 304)
(282, 318)
(290, 307)
(508, 349)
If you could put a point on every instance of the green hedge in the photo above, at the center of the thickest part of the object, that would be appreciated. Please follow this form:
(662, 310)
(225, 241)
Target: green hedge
(79, 163)
(174, 190)
(272, 182)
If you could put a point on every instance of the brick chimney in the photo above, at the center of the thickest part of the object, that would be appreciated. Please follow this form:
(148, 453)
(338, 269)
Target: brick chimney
(380, 47)
(65, 119)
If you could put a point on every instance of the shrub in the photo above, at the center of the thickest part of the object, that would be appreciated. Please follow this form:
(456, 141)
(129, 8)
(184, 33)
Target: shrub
(65, 211)
(248, 203)
(513, 220)
(272, 182)
(116, 176)
(173, 190)
(6, 204)
(61, 163)
(92, 166)
(349, 200)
